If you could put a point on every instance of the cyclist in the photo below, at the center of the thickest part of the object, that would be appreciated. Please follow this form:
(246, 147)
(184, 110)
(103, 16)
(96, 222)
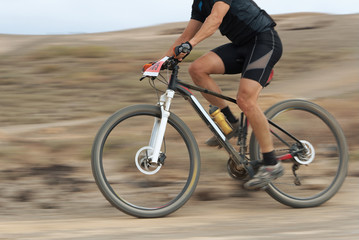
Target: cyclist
(254, 49)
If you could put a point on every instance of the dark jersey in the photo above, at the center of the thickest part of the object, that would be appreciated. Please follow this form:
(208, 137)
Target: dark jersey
(243, 21)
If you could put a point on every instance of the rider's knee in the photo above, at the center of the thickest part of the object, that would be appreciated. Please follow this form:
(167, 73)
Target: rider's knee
(194, 69)
(197, 72)
(246, 104)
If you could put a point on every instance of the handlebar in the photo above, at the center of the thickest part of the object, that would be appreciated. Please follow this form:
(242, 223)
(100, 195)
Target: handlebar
(170, 64)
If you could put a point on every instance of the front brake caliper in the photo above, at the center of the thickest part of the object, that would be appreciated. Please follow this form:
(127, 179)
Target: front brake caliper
(162, 158)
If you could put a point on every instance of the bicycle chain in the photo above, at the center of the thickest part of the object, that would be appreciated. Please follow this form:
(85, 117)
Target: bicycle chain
(276, 150)
(281, 150)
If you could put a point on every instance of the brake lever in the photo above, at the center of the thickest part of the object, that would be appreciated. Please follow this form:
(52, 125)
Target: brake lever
(152, 78)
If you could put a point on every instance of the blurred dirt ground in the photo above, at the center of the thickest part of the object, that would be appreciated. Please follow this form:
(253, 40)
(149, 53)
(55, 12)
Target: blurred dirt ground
(57, 90)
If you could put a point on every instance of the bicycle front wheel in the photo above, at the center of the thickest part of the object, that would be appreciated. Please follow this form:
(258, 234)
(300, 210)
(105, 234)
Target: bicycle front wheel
(312, 177)
(123, 170)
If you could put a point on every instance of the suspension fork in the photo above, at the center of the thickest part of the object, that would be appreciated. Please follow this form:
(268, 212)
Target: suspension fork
(159, 126)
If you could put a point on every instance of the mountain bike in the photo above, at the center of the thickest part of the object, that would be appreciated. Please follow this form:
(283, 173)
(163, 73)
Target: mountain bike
(146, 161)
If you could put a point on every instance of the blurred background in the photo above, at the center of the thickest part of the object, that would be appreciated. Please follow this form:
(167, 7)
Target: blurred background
(65, 66)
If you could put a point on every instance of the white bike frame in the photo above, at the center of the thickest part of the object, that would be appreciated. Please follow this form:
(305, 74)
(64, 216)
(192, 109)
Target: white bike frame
(153, 151)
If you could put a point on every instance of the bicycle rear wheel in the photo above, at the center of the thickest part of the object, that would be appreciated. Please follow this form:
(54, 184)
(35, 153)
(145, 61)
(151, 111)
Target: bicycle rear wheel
(136, 188)
(312, 178)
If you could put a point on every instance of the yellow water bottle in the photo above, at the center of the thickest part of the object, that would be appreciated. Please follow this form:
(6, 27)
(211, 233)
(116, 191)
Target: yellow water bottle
(220, 119)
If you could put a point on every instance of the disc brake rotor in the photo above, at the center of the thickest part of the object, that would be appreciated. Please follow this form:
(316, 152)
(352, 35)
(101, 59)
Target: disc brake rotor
(308, 155)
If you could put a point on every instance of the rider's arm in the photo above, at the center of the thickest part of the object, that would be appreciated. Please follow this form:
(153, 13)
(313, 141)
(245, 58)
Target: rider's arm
(192, 28)
(211, 24)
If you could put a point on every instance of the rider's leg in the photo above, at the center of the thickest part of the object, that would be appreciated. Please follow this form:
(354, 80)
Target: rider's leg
(247, 96)
(200, 71)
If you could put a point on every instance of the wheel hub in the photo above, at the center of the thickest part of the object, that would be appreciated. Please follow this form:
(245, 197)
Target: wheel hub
(143, 160)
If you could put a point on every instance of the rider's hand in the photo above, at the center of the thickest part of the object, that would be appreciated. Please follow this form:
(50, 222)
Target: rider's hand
(182, 51)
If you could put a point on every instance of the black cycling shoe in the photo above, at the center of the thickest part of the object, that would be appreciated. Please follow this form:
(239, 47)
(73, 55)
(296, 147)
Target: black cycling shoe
(264, 176)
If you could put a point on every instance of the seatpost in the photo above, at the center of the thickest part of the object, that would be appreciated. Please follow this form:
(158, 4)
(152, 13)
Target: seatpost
(173, 81)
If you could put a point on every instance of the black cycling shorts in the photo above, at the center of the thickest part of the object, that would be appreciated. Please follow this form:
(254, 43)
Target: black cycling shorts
(255, 59)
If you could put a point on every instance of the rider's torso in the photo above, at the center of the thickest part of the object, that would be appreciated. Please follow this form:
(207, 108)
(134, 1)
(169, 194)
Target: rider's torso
(243, 21)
